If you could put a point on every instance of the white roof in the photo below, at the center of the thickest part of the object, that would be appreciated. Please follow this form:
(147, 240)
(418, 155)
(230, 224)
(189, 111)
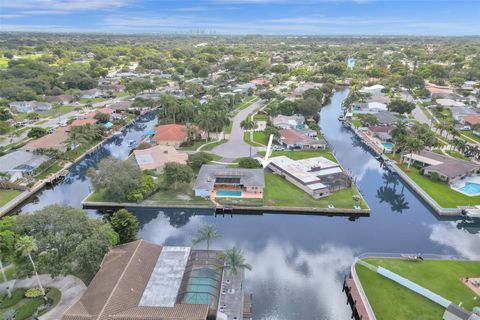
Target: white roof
(419, 158)
(449, 103)
(308, 171)
(377, 106)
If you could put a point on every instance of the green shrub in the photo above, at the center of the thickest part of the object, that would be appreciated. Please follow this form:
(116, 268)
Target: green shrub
(197, 160)
(248, 163)
(17, 296)
(33, 293)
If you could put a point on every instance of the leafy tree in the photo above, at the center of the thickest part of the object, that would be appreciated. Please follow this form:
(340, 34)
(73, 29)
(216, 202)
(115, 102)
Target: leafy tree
(37, 132)
(101, 117)
(309, 107)
(138, 85)
(115, 178)
(234, 261)
(78, 79)
(412, 81)
(248, 163)
(126, 225)
(248, 124)
(4, 127)
(146, 186)
(197, 160)
(203, 73)
(69, 242)
(268, 95)
(401, 106)
(272, 130)
(5, 114)
(177, 173)
(207, 233)
(7, 242)
(368, 120)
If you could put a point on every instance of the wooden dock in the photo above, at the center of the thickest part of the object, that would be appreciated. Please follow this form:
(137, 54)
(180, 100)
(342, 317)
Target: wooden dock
(359, 310)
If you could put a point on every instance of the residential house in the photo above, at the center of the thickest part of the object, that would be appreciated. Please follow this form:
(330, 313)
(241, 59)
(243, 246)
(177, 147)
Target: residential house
(142, 280)
(56, 140)
(91, 94)
(375, 90)
(448, 169)
(446, 103)
(293, 139)
(383, 133)
(261, 82)
(385, 118)
(82, 122)
(471, 120)
(244, 88)
(218, 181)
(317, 176)
(121, 106)
(60, 100)
(111, 87)
(30, 106)
(20, 163)
(156, 157)
(288, 122)
(170, 134)
(439, 91)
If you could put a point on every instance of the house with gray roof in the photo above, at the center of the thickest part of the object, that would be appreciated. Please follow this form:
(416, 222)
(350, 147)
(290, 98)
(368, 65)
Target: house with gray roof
(220, 181)
(30, 106)
(20, 162)
(447, 168)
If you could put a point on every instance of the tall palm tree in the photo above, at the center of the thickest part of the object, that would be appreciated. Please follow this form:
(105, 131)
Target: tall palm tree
(207, 233)
(248, 124)
(414, 145)
(26, 245)
(205, 122)
(234, 261)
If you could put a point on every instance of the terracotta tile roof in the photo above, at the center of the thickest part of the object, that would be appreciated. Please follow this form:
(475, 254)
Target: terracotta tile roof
(260, 82)
(54, 140)
(290, 136)
(170, 132)
(105, 110)
(471, 119)
(81, 122)
(118, 286)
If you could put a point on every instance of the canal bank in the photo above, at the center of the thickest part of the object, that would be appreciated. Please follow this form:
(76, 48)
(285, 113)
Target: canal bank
(299, 261)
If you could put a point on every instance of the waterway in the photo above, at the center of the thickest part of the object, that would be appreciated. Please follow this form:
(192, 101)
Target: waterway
(298, 261)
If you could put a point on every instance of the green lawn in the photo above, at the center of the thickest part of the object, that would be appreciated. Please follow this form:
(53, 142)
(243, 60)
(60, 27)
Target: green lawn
(210, 146)
(7, 195)
(260, 117)
(440, 191)
(280, 192)
(54, 168)
(303, 154)
(356, 123)
(10, 272)
(457, 155)
(246, 102)
(4, 62)
(193, 147)
(246, 138)
(392, 301)
(260, 137)
(94, 100)
(470, 135)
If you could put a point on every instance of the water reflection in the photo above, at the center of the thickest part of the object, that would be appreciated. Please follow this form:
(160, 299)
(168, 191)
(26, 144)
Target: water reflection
(388, 193)
(464, 244)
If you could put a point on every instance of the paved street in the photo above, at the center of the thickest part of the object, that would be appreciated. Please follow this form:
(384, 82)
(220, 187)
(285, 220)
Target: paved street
(417, 113)
(235, 147)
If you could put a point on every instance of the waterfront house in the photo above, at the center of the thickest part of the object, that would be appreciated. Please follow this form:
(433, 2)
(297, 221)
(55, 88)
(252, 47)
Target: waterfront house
(20, 163)
(294, 139)
(219, 181)
(384, 133)
(156, 157)
(448, 169)
(170, 134)
(142, 280)
(30, 106)
(56, 140)
(375, 90)
(82, 122)
(317, 176)
(121, 106)
(385, 118)
(288, 122)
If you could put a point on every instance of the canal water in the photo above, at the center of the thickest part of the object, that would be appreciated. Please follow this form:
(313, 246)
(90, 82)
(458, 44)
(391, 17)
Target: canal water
(298, 261)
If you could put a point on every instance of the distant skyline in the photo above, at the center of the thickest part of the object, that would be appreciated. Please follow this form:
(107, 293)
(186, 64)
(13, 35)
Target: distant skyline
(271, 17)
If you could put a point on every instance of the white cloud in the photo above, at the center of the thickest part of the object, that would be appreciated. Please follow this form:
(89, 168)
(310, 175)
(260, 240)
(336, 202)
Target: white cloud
(65, 6)
(464, 243)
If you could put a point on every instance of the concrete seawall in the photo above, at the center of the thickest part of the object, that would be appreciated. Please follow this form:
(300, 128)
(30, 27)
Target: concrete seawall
(444, 212)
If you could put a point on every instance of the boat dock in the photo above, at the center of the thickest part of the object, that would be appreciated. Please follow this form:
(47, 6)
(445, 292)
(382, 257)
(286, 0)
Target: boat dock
(354, 299)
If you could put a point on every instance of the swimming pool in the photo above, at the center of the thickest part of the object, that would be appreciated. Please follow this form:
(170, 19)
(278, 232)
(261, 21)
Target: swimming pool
(229, 193)
(470, 188)
(388, 145)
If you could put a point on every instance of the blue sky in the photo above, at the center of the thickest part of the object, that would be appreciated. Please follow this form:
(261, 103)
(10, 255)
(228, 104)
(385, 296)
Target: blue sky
(301, 17)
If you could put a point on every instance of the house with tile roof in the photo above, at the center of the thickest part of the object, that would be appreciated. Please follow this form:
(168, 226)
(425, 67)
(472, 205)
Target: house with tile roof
(143, 280)
(156, 157)
(170, 134)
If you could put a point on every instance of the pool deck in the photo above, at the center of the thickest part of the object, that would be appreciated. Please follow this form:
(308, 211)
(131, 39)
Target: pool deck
(463, 183)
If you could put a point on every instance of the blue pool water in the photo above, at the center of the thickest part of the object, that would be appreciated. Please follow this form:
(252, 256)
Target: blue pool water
(388, 145)
(229, 193)
(470, 188)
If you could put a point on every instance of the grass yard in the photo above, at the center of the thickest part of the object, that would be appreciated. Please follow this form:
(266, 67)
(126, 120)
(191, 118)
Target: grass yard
(246, 138)
(94, 100)
(457, 155)
(182, 195)
(4, 62)
(469, 136)
(193, 147)
(440, 191)
(260, 137)
(212, 145)
(303, 154)
(6, 195)
(260, 117)
(392, 301)
(280, 192)
(26, 307)
(54, 168)
(356, 123)
(246, 102)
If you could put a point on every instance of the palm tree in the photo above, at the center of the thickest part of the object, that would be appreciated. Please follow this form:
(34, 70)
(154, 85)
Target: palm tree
(414, 145)
(26, 245)
(206, 234)
(248, 124)
(205, 122)
(234, 261)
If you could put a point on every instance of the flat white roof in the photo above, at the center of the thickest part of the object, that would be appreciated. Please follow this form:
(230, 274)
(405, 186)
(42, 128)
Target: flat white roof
(306, 170)
(162, 287)
(419, 158)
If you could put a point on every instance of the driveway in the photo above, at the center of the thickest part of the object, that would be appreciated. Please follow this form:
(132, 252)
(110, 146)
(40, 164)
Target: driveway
(417, 113)
(71, 288)
(235, 147)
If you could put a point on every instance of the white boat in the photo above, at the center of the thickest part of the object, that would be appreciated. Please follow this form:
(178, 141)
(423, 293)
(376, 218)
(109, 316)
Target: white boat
(117, 133)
